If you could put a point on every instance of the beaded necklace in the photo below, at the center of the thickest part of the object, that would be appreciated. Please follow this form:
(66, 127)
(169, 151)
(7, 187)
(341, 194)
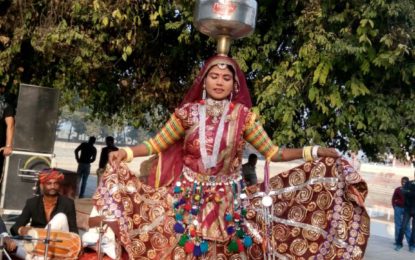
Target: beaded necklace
(209, 161)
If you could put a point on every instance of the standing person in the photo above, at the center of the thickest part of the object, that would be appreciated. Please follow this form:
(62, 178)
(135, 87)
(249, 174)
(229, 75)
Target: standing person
(248, 170)
(85, 154)
(196, 203)
(6, 127)
(409, 212)
(103, 159)
(398, 203)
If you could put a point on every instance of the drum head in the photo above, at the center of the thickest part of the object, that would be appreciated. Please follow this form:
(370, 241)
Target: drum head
(28, 245)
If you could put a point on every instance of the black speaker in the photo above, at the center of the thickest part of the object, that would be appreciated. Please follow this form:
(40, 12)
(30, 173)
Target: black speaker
(36, 119)
(20, 182)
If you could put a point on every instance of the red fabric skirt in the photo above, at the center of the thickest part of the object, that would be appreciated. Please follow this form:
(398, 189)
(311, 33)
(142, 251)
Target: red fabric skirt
(317, 211)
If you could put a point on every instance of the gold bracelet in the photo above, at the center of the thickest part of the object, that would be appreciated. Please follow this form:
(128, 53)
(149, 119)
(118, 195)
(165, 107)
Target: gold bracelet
(307, 153)
(129, 153)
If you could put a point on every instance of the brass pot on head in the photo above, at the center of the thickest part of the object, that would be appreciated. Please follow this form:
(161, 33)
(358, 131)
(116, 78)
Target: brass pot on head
(225, 20)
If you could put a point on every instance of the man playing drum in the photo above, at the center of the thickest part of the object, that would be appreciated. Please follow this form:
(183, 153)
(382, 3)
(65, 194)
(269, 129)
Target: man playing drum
(50, 208)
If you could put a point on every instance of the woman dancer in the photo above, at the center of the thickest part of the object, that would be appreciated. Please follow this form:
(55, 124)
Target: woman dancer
(195, 204)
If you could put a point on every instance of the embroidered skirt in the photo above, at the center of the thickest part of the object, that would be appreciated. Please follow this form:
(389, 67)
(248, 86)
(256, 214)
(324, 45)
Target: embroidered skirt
(316, 211)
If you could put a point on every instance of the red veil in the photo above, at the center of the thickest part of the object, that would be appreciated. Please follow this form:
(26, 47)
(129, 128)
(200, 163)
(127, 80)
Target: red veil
(169, 165)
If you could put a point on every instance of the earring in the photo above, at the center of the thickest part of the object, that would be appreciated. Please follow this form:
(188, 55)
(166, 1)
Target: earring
(235, 87)
(204, 91)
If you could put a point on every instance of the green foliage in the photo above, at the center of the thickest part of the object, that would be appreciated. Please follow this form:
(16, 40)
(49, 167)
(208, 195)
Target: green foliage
(338, 73)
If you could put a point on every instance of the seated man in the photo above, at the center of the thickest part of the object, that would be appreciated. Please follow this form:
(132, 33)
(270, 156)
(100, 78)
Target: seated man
(109, 245)
(49, 208)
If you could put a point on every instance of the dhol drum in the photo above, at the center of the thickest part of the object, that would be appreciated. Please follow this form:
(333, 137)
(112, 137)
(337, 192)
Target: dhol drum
(62, 245)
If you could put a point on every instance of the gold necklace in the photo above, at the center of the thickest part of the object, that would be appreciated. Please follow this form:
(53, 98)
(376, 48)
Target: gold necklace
(215, 108)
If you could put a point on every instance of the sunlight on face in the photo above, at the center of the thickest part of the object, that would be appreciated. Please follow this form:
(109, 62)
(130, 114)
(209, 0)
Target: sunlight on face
(219, 83)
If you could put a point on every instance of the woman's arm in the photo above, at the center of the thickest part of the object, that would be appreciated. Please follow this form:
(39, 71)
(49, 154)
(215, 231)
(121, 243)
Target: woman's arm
(255, 134)
(289, 154)
(171, 132)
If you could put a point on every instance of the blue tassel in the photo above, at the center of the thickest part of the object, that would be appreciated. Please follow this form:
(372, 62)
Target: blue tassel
(197, 251)
(177, 189)
(247, 241)
(179, 217)
(194, 211)
(228, 217)
(178, 228)
(230, 230)
(204, 247)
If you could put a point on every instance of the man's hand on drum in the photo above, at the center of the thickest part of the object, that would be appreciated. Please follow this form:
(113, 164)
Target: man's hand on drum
(116, 157)
(23, 230)
(10, 244)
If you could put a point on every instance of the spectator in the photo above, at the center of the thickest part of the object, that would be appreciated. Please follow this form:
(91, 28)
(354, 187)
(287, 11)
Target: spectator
(248, 170)
(398, 202)
(409, 212)
(103, 159)
(87, 155)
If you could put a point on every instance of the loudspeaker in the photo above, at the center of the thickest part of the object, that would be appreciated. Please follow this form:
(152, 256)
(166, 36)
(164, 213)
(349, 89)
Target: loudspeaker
(36, 119)
(20, 182)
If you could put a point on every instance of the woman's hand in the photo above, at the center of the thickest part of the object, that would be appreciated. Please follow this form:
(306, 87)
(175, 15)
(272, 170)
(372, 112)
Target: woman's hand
(327, 152)
(116, 157)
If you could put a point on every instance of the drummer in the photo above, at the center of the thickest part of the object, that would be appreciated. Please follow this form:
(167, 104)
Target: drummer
(48, 208)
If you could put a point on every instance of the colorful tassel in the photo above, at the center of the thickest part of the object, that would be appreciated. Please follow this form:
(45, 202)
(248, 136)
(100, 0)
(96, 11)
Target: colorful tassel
(183, 240)
(233, 246)
(240, 245)
(230, 230)
(178, 228)
(247, 241)
(204, 247)
(240, 233)
(188, 247)
(179, 217)
(197, 251)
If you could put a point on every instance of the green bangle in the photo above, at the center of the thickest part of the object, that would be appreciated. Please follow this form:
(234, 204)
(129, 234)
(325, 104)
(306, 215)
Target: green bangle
(279, 155)
(149, 147)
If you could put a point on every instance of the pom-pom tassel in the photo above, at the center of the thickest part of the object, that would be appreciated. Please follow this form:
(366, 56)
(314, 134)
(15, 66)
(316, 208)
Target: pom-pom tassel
(188, 247)
(183, 240)
(197, 251)
(178, 228)
(204, 247)
(233, 246)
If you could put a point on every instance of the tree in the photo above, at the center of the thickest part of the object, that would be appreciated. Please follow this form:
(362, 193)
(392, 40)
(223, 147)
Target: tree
(339, 73)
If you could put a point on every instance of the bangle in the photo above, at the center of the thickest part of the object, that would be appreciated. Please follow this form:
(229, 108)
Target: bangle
(8, 145)
(129, 153)
(307, 154)
(314, 152)
(149, 147)
(279, 155)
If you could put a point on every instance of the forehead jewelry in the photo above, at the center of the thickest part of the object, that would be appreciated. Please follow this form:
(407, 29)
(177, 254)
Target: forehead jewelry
(222, 66)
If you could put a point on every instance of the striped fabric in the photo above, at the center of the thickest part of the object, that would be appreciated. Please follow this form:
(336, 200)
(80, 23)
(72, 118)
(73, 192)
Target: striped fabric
(168, 135)
(255, 135)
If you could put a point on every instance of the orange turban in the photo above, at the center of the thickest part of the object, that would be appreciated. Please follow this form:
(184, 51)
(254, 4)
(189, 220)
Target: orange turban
(50, 174)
